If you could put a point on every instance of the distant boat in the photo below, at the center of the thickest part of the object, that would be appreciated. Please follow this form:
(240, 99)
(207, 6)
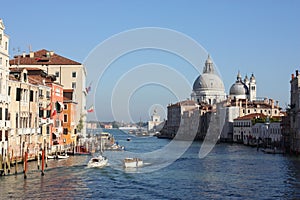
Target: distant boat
(62, 156)
(133, 162)
(51, 156)
(128, 139)
(272, 151)
(98, 162)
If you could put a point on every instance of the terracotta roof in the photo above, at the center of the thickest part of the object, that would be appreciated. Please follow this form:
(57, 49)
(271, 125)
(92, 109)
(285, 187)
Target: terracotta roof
(42, 57)
(252, 116)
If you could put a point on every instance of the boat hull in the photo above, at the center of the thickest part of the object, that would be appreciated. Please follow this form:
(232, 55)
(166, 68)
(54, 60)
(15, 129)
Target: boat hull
(133, 162)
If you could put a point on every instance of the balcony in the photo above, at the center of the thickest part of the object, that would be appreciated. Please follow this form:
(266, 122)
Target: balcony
(45, 121)
(26, 131)
(5, 98)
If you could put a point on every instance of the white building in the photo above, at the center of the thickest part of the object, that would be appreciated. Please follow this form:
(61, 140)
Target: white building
(4, 98)
(69, 73)
(254, 128)
(154, 122)
(208, 87)
(270, 132)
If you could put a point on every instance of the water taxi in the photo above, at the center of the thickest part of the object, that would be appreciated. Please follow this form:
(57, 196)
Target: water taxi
(133, 162)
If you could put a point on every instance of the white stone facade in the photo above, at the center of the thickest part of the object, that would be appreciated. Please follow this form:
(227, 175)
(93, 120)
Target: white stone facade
(4, 98)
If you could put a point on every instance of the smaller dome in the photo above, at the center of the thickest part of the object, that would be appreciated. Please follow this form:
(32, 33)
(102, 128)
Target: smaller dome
(239, 88)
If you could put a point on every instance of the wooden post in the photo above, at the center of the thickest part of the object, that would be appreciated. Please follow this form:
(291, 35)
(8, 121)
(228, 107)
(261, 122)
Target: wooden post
(46, 150)
(25, 164)
(43, 162)
(1, 168)
(38, 161)
(5, 168)
(16, 164)
(8, 163)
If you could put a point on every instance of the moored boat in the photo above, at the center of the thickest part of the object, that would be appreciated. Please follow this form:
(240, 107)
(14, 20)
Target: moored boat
(133, 162)
(62, 156)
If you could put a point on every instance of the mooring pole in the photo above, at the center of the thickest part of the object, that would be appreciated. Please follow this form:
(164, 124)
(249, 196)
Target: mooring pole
(43, 162)
(25, 165)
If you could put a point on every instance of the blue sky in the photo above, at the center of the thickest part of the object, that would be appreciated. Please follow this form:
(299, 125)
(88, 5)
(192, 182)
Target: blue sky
(260, 37)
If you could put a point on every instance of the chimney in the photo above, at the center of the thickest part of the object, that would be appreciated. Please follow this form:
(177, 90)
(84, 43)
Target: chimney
(293, 76)
(24, 55)
(31, 54)
(297, 73)
(51, 53)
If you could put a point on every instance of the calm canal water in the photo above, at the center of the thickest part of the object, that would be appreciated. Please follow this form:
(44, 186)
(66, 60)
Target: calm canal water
(228, 172)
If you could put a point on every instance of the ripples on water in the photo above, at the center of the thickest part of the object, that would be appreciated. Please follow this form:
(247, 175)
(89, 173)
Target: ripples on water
(228, 172)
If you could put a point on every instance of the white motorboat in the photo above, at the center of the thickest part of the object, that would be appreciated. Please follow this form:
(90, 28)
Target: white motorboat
(133, 162)
(99, 161)
(51, 156)
(63, 156)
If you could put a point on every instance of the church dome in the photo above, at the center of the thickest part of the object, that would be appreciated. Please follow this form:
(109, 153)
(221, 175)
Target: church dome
(238, 88)
(208, 81)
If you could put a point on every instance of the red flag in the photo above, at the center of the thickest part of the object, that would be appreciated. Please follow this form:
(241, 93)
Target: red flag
(91, 109)
(88, 89)
(53, 113)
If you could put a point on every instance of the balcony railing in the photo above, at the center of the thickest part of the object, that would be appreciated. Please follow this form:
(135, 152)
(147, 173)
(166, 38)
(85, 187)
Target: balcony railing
(25, 131)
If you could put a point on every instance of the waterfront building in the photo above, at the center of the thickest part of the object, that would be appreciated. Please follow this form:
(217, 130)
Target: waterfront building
(57, 106)
(69, 112)
(154, 122)
(208, 87)
(174, 115)
(23, 109)
(69, 73)
(257, 128)
(39, 77)
(4, 98)
(294, 113)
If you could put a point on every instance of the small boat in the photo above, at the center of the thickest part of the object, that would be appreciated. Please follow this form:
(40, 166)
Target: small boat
(133, 162)
(62, 156)
(51, 156)
(99, 161)
(128, 139)
(272, 151)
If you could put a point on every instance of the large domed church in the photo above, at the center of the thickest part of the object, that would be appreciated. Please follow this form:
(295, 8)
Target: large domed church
(208, 87)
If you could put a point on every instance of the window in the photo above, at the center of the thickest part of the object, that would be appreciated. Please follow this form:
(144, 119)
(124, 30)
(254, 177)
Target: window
(65, 107)
(40, 93)
(48, 113)
(9, 88)
(0, 113)
(48, 94)
(41, 113)
(7, 114)
(65, 118)
(48, 130)
(0, 60)
(18, 94)
(66, 131)
(6, 45)
(17, 120)
(31, 96)
(73, 85)
(74, 74)
(57, 74)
